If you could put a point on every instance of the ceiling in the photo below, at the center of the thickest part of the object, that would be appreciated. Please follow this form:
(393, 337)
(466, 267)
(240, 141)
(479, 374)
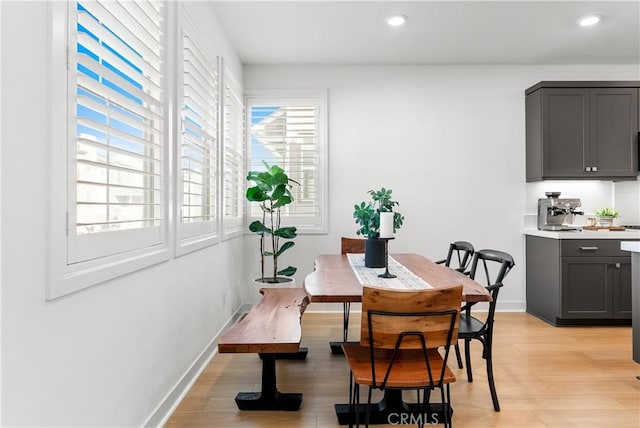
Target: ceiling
(437, 32)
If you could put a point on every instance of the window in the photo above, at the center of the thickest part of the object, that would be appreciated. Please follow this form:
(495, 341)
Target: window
(289, 129)
(116, 196)
(234, 157)
(198, 163)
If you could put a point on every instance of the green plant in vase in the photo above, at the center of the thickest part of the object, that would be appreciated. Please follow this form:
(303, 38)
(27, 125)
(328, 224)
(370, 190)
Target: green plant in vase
(367, 217)
(606, 216)
(271, 190)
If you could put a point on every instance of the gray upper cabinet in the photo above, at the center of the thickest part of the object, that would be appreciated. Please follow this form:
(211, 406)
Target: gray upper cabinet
(582, 130)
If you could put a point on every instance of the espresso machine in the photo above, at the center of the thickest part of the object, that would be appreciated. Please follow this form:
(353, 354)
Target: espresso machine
(555, 213)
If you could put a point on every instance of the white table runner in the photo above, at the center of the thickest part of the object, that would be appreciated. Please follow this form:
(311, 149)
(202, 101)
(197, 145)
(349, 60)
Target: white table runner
(369, 276)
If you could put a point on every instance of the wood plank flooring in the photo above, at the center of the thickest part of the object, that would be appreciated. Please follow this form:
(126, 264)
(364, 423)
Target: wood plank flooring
(545, 376)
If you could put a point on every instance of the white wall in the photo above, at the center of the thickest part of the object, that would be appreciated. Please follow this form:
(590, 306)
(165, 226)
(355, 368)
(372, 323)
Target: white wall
(449, 141)
(108, 355)
(627, 201)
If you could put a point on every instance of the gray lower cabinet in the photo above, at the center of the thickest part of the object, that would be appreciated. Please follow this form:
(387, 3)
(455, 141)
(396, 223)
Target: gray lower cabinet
(578, 281)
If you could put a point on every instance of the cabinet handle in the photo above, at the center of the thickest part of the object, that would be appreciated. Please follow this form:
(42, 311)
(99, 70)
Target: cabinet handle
(617, 265)
(594, 168)
(587, 168)
(588, 248)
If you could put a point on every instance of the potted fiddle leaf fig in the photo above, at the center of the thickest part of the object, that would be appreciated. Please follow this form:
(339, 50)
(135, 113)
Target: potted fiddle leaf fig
(367, 217)
(272, 190)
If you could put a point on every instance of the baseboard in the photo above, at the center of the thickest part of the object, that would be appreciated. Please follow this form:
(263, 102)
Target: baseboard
(165, 409)
(511, 306)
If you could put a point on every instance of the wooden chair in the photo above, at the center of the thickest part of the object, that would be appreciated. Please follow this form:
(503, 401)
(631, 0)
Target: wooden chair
(351, 245)
(401, 333)
(347, 245)
(464, 253)
(473, 328)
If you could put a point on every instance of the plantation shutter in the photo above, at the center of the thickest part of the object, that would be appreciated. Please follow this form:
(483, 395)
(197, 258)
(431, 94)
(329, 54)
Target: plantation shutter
(199, 139)
(289, 132)
(116, 66)
(234, 159)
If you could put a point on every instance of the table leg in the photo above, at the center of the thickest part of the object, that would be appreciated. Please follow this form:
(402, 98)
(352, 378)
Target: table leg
(336, 347)
(392, 410)
(269, 398)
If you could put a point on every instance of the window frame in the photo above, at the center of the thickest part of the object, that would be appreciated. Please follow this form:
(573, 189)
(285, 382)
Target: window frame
(67, 275)
(314, 225)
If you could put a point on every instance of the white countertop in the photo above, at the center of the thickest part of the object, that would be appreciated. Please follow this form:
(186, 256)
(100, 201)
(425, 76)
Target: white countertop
(585, 234)
(630, 246)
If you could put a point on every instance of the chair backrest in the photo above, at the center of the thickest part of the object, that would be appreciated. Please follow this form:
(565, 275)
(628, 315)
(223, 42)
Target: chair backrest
(464, 253)
(504, 264)
(413, 320)
(351, 245)
(389, 313)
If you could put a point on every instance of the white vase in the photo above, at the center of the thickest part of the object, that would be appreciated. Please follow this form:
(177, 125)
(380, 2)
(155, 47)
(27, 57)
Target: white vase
(283, 282)
(605, 221)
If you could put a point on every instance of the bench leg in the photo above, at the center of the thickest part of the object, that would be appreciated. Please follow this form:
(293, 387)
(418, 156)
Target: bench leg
(300, 355)
(269, 398)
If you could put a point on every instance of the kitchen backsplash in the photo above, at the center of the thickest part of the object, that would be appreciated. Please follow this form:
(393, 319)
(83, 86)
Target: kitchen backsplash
(624, 196)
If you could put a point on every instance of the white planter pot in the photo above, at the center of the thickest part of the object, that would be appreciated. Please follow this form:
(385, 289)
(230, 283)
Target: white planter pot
(605, 221)
(283, 282)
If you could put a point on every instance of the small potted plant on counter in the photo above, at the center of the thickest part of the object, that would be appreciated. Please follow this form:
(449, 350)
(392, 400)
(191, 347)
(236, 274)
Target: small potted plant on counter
(606, 216)
(272, 191)
(367, 217)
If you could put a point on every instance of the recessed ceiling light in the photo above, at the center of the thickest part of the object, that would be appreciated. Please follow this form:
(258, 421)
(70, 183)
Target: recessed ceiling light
(590, 20)
(397, 20)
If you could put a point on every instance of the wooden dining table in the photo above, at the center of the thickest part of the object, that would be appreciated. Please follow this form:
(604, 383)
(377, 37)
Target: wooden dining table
(334, 281)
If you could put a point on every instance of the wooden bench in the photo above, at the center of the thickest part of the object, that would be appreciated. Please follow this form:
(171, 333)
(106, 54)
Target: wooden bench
(270, 329)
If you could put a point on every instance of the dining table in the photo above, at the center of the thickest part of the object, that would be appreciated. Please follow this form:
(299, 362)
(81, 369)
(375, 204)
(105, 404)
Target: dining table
(334, 280)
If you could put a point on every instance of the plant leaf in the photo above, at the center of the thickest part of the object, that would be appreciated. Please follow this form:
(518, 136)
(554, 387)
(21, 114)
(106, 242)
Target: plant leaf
(284, 200)
(273, 170)
(285, 247)
(279, 178)
(279, 191)
(286, 232)
(288, 271)
(252, 175)
(259, 228)
(256, 194)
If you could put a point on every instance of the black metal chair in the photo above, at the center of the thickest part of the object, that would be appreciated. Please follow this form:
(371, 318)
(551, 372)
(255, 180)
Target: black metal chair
(473, 328)
(464, 253)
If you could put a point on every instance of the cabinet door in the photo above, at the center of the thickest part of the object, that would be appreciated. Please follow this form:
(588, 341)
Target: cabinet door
(613, 132)
(565, 132)
(621, 287)
(586, 287)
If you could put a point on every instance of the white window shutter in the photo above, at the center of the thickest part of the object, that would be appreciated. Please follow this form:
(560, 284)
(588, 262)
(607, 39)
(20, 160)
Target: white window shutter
(290, 131)
(234, 157)
(198, 163)
(118, 201)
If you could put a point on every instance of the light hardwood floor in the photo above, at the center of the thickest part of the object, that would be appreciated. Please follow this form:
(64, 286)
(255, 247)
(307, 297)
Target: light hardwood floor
(545, 376)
